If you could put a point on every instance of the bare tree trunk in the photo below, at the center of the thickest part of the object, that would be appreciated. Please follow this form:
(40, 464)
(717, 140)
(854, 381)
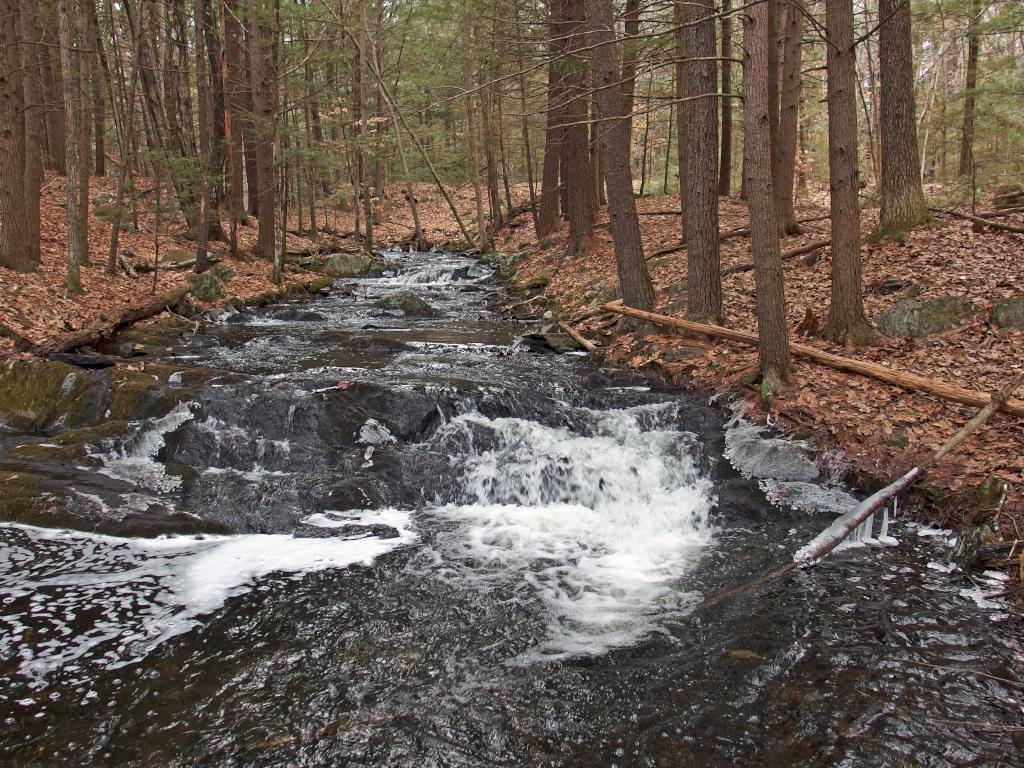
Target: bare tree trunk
(614, 132)
(703, 265)
(15, 214)
(78, 243)
(205, 137)
(527, 151)
(92, 33)
(789, 119)
(554, 136)
(53, 83)
(34, 130)
(903, 204)
(631, 18)
(970, 91)
(682, 88)
(846, 322)
(235, 88)
(483, 240)
(725, 166)
(248, 125)
(264, 80)
(773, 340)
(578, 178)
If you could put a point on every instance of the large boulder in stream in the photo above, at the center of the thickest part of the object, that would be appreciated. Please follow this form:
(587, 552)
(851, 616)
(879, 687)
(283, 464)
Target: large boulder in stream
(916, 318)
(409, 303)
(42, 395)
(549, 343)
(351, 265)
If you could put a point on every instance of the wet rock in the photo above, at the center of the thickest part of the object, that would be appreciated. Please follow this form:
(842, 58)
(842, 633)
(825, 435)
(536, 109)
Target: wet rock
(409, 303)
(300, 315)
(969, 541)
(93, 360)
(352, 265)
(549, 343)
(1008, 313)
(538, 283)
(916, 318)
(37, 395)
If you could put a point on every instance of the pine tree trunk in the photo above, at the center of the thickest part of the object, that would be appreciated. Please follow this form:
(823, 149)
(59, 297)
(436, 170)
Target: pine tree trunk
(703, 265)
(15, 214)
(554, 134)
(903, 204)
(682, 143)
(773, 341)
(78, 244)
(53, 83)
(205, 110)
(789, 120)
(615, 138)
(248, 124)
(846, 323)
(725, 165)
(234, 103)
(970, 89)
(265, 102)
(578, 177)
(631, 18)
(483, 241)
(34, 130)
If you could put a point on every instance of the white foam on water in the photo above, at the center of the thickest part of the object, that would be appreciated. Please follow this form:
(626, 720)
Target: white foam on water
(601, 527)
(139, 593)
(133, 459)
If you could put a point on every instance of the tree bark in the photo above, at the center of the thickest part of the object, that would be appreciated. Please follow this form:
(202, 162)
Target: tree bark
(578, 178)
(773, 339)
(725, 164)
(16, 251)
(903, 204)
(699, 111)
(846, 322)
(631, 18)
(554, 134)
(970, 91)
(789, 120)
(614, 133)
(234, 103)
(264, 81)
(78, 243)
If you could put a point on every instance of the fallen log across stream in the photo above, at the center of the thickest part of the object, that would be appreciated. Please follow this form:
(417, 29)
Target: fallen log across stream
(910, 381)
(841, 529)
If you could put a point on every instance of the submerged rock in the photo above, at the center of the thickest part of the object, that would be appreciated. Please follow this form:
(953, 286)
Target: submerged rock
(409, 303)
(915, 318)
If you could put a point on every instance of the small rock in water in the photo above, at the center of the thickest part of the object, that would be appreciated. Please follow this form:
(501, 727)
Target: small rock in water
(409, 303)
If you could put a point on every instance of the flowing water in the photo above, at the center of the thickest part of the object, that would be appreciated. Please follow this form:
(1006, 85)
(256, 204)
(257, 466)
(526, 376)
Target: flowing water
(389, 541)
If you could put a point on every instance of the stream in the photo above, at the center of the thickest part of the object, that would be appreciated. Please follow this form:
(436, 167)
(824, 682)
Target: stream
(372, 539)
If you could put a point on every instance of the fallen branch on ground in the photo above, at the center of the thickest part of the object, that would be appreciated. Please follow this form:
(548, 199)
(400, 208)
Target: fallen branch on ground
(838, 532)
(910, 381)
(590, 346)
(728, 234)
(69, 341)
(792, 253)
(979, 220)
(173, 266)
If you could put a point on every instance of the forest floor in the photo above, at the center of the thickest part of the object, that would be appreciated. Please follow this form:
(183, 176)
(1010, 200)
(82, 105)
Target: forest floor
(880, 429)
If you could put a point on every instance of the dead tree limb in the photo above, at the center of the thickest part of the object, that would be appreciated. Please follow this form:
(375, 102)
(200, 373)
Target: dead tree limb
(792, 253)
(590, 346)
(70, 341)
(174, 266)
(905, 380)
(979, 220)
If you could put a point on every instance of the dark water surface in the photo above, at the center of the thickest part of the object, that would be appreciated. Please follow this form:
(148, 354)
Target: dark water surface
(425, 546)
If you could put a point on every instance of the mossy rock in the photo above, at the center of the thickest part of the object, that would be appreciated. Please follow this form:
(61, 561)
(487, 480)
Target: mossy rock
(409, 303)
(71, 446)
(156, 335)
(318, 284)
(28, 501)
(222, 272)
(41, 395)
(351, 265)
(205, 287)
(916, 318)
(538, 282)
(1008, 313)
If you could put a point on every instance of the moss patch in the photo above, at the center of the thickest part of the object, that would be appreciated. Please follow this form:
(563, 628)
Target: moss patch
(40, 395)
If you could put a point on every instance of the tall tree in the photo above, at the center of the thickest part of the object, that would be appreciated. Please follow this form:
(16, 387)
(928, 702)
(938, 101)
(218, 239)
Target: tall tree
(725, 165)
(789, 118)
(903, 204)
(614, 132)
(78, 242)
(970, 91)
(263, 61)
(773, 341)
(16, 225)
(554, 134)
(576, 152)
(846, 322)
(699, 111)
(235, 88)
